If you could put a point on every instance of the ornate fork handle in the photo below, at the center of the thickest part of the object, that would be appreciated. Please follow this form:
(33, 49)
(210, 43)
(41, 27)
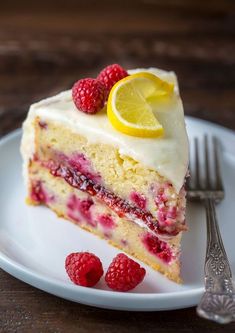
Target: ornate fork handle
(218, 302)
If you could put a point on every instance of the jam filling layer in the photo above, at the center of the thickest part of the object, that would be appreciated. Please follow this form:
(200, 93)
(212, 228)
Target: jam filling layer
(75, 178)
(157, 247)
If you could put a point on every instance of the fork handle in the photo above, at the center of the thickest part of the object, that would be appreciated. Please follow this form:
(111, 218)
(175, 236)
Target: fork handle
(218, 302)
(218, 276)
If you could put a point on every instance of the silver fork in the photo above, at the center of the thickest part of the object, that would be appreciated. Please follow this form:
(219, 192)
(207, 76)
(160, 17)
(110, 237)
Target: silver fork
(218, 301)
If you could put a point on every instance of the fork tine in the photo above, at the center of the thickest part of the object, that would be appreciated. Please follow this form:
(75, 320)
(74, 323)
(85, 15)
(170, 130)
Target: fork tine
(217, 165)
(197, 171)
(205, 182)
(207, 166)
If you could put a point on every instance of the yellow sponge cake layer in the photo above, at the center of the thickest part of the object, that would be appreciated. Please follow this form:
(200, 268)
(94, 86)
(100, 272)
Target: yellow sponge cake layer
(89, 213)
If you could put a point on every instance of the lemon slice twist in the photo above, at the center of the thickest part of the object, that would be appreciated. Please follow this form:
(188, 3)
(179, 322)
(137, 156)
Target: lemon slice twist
(129, 108)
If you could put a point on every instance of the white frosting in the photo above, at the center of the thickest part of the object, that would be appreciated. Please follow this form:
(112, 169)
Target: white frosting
(167, 155)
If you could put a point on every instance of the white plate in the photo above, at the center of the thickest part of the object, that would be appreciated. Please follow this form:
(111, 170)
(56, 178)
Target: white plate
(34, 242)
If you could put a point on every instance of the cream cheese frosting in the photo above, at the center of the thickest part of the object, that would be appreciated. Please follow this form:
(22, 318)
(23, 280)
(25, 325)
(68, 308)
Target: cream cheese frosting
(167, 155)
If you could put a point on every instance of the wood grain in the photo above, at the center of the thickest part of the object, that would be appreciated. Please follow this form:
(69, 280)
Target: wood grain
(45, 46)
(25, 309)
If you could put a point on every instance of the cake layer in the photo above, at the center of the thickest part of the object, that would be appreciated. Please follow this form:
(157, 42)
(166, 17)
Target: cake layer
(91, 214)
(167, 155)
(129, 180)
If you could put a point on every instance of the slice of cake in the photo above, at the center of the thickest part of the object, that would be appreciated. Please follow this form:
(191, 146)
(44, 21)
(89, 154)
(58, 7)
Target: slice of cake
(127, 189)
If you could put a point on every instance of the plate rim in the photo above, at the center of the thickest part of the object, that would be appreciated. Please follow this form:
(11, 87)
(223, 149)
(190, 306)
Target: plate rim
(32, 277)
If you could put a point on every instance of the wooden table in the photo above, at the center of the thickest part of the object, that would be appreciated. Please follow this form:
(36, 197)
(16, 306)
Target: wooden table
(45, 47)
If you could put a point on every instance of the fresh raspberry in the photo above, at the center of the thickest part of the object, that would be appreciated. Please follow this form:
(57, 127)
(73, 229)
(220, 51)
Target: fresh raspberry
(89, 95)
(111, 74)
(84, 268)
(124, 273)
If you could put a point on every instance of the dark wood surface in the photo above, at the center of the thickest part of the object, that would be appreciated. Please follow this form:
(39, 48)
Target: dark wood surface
(45, 47)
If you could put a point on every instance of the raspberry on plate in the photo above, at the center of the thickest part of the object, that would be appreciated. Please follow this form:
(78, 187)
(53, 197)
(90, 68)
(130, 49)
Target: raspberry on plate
(124, 273)
(111, 74)
(89, 95)
(84, 268)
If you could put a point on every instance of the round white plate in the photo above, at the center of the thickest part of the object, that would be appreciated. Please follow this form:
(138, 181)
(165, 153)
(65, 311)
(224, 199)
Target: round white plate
(34, 242)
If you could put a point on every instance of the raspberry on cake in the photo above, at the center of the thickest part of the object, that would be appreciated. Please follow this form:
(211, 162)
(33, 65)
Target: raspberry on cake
(111, 74)
(127, 189)
(89, 95)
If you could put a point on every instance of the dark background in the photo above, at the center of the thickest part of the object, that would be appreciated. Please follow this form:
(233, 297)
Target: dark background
(47, 45)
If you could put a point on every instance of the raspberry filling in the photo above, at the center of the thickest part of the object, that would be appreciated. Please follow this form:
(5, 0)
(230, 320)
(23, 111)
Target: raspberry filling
(79, 162)
(80, 209)
(106, 221)
(39, 194)
(75, 178)
(157, 247)
(138, 199)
